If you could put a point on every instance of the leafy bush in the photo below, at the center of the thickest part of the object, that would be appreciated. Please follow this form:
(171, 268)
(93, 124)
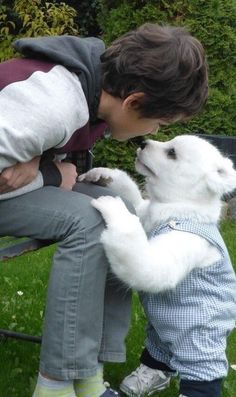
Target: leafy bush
(86, 17)
(33, 18)
(110, 153)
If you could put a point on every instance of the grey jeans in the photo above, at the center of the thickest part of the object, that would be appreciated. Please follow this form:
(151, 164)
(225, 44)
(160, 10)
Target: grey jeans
(88, 310)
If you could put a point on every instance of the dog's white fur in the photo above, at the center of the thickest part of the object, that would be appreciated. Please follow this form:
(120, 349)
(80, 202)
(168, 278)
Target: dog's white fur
(185, 178)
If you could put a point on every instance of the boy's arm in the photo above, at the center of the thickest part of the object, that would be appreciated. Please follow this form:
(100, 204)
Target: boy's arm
(18, 175)
(25, 177)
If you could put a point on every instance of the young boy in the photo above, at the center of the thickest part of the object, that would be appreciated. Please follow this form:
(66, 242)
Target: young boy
(58, 100)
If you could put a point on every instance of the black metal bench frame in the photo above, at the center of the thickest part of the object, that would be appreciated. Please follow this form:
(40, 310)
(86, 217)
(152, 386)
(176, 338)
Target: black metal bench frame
(19, 246)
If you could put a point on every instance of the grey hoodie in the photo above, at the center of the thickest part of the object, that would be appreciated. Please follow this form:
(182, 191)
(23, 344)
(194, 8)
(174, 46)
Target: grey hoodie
(47, 98)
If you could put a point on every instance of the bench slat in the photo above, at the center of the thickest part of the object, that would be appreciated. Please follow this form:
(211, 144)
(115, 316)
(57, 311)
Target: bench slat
(4, 334)
(11, 247)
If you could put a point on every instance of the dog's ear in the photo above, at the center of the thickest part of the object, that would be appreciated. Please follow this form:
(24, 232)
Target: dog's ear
(222, 179)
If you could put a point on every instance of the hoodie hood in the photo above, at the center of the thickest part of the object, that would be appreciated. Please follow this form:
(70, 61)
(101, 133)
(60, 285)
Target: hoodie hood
(79, 55)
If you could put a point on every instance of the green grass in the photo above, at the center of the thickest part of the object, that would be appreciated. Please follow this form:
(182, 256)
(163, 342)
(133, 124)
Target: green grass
(24, 312)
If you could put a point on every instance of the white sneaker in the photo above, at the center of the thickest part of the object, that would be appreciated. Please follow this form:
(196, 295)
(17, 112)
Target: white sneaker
(145, 381)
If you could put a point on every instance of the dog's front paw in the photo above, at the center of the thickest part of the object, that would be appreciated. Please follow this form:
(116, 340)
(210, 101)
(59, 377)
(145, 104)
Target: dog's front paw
(101, 176)
(112, 208)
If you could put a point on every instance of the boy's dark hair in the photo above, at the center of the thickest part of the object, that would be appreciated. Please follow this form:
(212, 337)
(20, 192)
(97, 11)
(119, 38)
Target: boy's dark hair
(166, 63)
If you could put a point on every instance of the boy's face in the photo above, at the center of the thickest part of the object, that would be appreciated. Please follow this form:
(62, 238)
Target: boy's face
(123, 120)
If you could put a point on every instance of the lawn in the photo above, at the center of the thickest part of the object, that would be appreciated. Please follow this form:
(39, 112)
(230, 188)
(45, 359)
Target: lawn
(23, 289)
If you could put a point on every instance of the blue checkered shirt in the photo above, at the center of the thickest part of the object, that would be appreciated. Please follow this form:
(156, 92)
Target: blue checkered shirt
(188, 326)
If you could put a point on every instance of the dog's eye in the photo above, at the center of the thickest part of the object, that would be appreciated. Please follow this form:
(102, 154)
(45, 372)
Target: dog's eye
(171, 154)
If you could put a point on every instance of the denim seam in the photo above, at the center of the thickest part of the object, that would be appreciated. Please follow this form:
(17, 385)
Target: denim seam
(71, 343)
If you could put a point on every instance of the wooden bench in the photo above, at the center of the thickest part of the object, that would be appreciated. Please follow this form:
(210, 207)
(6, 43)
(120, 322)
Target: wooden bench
(11, 247)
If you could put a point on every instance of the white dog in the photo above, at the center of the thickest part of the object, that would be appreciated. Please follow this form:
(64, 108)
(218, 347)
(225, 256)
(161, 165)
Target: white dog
(185, 179)
(172, 251)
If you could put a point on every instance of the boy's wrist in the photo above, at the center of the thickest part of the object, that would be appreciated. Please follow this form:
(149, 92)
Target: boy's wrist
(50, 173)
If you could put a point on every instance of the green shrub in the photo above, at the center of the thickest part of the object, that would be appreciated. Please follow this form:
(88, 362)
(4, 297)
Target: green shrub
(110, 153)
(86, 17)
(33, 18)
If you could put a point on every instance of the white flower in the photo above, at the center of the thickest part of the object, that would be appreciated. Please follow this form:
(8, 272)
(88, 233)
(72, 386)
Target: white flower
(233, 366)
(20, 293)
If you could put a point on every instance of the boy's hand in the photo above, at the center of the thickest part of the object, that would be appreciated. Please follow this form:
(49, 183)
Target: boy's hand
(68, 174)
(18, 175)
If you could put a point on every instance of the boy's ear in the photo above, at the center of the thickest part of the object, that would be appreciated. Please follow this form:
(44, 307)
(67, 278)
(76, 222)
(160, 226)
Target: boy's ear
(132, 101)
(222, 179)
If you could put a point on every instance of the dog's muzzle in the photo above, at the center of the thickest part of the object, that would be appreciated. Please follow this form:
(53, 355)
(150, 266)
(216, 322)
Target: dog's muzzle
(142, 144)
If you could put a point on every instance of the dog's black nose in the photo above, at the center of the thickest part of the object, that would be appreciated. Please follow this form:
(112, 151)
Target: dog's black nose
(142, 144)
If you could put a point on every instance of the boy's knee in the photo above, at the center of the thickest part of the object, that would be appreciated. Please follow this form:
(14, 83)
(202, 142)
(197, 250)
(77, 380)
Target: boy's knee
(129, 205)
(96, 191)
(88, 218)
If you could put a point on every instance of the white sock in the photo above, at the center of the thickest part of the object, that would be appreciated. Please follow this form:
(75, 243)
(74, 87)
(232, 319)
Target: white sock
(92, 386)
(53, 388)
